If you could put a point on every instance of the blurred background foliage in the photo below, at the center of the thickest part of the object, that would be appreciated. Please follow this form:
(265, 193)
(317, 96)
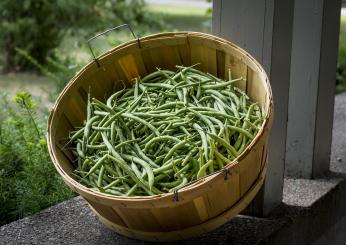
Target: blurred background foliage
(42, 46)
(341, 69)
(39, 26)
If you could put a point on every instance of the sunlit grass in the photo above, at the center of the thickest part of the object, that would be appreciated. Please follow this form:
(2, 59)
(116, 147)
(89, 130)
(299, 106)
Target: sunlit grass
(176, 10)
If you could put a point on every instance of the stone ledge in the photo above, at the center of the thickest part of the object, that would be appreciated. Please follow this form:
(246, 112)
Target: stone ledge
(310, 209)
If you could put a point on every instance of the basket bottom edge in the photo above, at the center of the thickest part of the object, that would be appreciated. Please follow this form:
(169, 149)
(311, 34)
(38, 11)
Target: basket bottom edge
(192, 231)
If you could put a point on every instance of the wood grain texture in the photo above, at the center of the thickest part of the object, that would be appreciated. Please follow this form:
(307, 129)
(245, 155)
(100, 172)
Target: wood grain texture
(202, 206)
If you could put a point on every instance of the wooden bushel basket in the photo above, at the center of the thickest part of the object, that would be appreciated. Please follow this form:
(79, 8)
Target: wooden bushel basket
(200, 207)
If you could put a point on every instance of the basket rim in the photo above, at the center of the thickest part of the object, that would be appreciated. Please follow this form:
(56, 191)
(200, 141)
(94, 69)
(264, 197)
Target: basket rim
(193, 187)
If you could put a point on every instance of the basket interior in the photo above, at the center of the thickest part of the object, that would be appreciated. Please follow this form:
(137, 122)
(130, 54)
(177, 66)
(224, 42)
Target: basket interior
(130, 60)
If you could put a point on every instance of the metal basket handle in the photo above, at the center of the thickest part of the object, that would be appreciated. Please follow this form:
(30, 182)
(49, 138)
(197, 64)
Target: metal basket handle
(106, 31)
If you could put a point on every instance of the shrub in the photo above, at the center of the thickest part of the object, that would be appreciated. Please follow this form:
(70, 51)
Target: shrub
(28, 179)
(38, 26)
(60, 70)
(341, 70)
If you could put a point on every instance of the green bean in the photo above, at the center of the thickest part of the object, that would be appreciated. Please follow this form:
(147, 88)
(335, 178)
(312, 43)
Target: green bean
(167, 130)
(101, 175)
(79, 150)
(146, 114)
(113, 96)
(142, 121)
(221, 157)
(244, 143)
(204, 119)
(211, 155)
(166, 167)
(115, 156)
(113, 192)
(201, 171)
(160, 138)
(184, 182)
(158, 85)
(181, 171)
(145, 165)
(171, 184)
(136, 89)
(252, 125)
(203, 138)
(175, 148)
(150, 76)
(189, 155)
(220, 85)
(229, 148)
(115, 182)
(103, 106)
(97, 164)
(132, 190)
(136, 170)
(240, 130)
(134, 103)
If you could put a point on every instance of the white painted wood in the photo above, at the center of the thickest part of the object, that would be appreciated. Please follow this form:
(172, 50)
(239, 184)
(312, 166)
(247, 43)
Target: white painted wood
(216, 23)
(306, 41)
(326, 86)
(263, 28)
(280, 62)
(243, 24)
(311, 102)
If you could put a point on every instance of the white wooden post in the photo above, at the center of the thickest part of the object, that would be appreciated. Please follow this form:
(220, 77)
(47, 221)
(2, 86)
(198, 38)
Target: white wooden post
(265, 29)
(311, 100)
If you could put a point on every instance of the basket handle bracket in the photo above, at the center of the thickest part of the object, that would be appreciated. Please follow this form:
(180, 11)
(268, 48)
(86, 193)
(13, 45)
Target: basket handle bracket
(227, 172)
(105, 32)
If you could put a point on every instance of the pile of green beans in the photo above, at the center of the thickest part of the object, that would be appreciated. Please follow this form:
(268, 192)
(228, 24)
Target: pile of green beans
(170, 128)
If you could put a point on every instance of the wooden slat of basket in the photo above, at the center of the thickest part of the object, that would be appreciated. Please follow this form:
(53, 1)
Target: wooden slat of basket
(177, 217)
(167, 218)
(130, 67)
(221, 64)
(133, 47)
(205, 56)
(254, 88)
(264, 155)
(65, 157)
(163, 41)
(185, 54)
(139, 219)
(251, 162)
(194, 230)
(238, 69)
(225, 196)
(167, 58)
(91, 85)
(201, 208)
(69, 118)
(109, 212)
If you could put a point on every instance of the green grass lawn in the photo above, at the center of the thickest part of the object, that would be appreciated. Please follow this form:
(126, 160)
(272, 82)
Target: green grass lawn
(180, 18)
(39, 86)
(342, 42)
(341, 72)
(342, 36)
